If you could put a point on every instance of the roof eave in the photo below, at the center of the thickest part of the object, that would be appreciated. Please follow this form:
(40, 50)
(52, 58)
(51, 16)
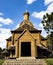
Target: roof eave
(29, 31)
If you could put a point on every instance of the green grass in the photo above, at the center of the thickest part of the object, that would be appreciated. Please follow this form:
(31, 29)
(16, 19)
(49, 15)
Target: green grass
(49, 61)
(1, 61)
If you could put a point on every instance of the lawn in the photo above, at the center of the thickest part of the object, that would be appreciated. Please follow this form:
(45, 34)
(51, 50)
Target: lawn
(49, 61)
(1, 61)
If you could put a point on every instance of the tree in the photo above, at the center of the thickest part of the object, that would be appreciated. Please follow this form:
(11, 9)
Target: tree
(48, 26)
(0, 50)
(50, 41)
(1, 55)
(48, 22)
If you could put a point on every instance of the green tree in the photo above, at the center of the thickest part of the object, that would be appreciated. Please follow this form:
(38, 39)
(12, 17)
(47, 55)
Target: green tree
(48, 22)
(50, 41)
(0, 50)
(48, 26)
(1, 55)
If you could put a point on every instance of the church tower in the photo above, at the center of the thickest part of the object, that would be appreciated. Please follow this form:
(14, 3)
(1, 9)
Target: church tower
(26, 19)
(26, 16)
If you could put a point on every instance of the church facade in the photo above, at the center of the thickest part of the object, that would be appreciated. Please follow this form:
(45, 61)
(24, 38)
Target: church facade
(26, 41)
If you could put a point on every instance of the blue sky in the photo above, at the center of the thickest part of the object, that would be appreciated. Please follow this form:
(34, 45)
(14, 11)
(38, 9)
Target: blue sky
(11, 14)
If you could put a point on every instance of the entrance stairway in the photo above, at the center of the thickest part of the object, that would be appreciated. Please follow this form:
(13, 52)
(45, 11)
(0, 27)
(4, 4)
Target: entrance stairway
(24, 61)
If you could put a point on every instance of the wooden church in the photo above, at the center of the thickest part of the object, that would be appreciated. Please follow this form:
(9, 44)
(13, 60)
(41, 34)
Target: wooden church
(26, 41)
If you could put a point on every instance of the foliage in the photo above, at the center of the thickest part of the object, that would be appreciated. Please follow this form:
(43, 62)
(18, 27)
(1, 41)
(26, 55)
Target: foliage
(1, 55)
(0, 49)
(48, 26)
(48, 22)
(50, 41)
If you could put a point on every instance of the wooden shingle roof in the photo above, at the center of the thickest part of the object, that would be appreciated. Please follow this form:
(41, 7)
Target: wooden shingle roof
(42, 38)
(28, 27)
(9, 39)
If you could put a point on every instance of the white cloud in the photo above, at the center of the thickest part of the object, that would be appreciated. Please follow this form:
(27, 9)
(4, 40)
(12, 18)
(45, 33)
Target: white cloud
(6, 21)
(38, 14)
(4, 34)
(17, 26)
(30, 1)
(44, 34)
(0, 25)
(41, 13)
(40, 27)
(50, 8)
(3, 44)
(46, 2)
(1, 13)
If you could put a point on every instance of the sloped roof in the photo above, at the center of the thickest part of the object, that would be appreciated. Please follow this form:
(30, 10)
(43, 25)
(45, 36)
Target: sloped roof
(9, 39)
(26, 26)
(42, 38)
(45, 49)
(26, 22)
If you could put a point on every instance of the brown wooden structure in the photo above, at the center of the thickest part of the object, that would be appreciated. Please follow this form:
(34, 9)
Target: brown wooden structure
(26, 41)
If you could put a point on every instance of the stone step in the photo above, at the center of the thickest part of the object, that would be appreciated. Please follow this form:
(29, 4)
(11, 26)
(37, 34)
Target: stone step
(24, 61)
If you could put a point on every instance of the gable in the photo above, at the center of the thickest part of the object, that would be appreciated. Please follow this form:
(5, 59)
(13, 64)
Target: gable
(26, 35)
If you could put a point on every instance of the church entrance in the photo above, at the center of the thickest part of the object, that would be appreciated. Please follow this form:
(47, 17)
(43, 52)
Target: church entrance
(25, 49)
